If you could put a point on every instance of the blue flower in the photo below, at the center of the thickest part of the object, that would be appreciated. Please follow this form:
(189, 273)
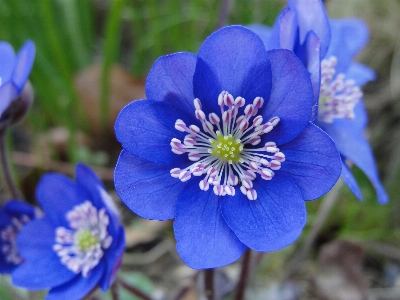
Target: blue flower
(15, 94)
(13, 216)
(236, 117)
(327, 48)
(79, 242)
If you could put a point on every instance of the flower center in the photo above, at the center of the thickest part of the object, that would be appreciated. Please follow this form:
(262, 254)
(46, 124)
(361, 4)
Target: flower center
(8, 237)
(338, 96)
(85, 239)
(224, 152)
(226, 148)
(81, 247)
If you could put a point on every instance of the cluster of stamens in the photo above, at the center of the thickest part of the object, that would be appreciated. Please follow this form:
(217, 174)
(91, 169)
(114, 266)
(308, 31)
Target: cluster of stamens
(337, 95)
(8, 237)
(81, 247)
(225, 151)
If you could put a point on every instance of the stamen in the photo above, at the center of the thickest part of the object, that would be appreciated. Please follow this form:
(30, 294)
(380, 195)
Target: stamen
(338, 96)
(8, 237)
(81, 247)
(224, 151)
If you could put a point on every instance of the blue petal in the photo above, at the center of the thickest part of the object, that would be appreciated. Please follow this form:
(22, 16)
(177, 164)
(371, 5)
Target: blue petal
(8, 93)
(312, 62)
(350, 181)
(312, 162)
(57, 194)
(7, 62)
(360, 116)
(353, 145)
(312, 16)
(271, 222)
(145, 128)
(264, 33)
(23, 64)
(113, 260)
(348, 37)
(360, 73)
(171, 80)
(231, 59)
(286, 29)
(147, 188)
(204, 240)
(291, 96)
(92, 186)
(78, 287)
(42, 267)
(17, 208)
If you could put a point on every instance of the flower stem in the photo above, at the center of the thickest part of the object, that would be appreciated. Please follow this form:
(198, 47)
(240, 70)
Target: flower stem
(115, 291)
(6, 167)
(133, 290)
(244, 275)
(322, 214)
(209, 284)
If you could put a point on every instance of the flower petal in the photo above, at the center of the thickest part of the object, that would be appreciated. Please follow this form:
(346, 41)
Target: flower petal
(348, 37)
(271, 222)
(7, 61)
(147, 188)
(312, 162)
(145, 128)
(78, 287)
(113, 260)
(360, 73)
(57, 194)
(286, 29)
(8, 93)
(171, 80)
(23, 66)
(88, 181)
(204, 240)
(232, 59)
(291, 96)
(312, 16)
(264, 33)
(350, 181)
(353, 145)
(42, 267)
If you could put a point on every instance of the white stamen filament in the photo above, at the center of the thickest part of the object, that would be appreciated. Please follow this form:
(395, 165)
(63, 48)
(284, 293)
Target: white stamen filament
(338, 96)
(222, 152)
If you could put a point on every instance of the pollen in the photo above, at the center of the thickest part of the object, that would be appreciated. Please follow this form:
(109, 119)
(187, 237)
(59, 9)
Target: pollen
(227, 148)
(85, 239)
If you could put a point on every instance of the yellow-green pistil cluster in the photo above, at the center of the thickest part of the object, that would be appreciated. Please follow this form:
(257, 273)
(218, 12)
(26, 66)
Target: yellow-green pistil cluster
(85, 239)
(227, 148)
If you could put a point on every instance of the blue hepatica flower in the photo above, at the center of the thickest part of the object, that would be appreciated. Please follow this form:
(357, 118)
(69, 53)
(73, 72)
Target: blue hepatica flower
(236, 117)
(13, 216)
(79, 242)
(327, 48)
(15, 92)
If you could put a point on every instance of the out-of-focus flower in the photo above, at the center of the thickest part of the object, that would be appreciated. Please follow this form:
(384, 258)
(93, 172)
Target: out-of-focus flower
(16, 93)
(237, 117)
(327, 48)
(13, 216)
(79, 242)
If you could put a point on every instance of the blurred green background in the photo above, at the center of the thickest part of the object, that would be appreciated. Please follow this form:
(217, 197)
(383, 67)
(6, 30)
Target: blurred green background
(93, 57)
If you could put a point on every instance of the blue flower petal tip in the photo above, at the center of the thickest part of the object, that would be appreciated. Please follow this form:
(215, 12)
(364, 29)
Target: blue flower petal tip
(227, 154)
(80, 246)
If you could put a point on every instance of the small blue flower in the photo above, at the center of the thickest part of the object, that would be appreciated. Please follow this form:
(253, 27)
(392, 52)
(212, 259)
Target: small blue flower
(14, 72)
(13, 216)
(327, 48)
(237, 117)
(79, 242)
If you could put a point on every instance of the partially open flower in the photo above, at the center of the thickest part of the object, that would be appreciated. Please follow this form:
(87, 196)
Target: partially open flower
(79, 242)
(16, 94)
